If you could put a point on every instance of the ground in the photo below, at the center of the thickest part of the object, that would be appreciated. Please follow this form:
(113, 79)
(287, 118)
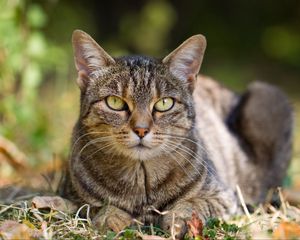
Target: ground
(51, 217)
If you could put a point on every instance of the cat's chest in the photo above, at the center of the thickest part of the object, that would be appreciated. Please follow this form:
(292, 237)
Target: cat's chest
(145, 187)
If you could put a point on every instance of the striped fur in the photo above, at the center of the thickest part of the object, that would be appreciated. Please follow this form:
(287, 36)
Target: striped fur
(194, 154)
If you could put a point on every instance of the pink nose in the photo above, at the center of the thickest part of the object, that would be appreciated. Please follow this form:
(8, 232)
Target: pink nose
(141, 132)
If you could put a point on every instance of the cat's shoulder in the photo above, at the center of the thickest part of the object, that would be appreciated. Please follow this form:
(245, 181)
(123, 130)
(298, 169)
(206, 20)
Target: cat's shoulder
(215, 95)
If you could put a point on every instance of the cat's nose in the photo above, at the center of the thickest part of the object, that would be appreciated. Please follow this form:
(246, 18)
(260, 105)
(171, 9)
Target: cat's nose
(141, 132)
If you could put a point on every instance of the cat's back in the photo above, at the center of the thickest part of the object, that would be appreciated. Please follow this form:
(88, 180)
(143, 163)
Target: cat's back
(213, 105)
(248, 135)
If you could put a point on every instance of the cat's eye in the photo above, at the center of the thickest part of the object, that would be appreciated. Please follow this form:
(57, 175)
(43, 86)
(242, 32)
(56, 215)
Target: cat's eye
(116, 103)
(164, 104)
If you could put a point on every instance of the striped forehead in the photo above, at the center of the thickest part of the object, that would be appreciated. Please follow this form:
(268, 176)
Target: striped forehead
(139, 79)
(140, 83)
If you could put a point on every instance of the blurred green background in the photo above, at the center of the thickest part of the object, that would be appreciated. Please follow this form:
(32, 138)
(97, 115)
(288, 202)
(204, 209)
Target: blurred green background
(247, 40)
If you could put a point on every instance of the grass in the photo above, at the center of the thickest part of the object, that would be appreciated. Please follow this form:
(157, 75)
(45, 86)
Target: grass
(22, 220)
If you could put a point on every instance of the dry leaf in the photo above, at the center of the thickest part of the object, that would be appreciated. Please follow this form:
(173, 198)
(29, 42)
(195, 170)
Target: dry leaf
(55, 203)
(152, 237)
(195, 226)
(287, 230)
(13, 155)
(13, 230)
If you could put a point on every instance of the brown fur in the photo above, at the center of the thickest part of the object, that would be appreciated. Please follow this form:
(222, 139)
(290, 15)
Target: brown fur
(191, 157)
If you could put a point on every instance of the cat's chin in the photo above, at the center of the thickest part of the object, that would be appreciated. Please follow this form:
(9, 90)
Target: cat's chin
(141, 152)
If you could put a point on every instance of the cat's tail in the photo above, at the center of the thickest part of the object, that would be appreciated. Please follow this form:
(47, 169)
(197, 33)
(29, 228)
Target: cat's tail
(264, 123)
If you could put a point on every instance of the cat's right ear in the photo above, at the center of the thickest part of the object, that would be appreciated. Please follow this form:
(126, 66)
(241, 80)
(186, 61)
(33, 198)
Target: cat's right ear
(89, 57)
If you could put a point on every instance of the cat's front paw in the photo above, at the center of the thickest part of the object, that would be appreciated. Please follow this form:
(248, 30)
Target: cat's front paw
(112, 218)
(176, 220)
(176, 226)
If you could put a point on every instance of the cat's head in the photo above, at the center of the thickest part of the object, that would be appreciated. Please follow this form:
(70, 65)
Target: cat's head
(136, 106)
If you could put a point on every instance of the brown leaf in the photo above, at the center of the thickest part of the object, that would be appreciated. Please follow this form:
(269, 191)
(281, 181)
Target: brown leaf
(287, 230)
(195, 226)
(13, 230)
(13, 155)
(55, 203)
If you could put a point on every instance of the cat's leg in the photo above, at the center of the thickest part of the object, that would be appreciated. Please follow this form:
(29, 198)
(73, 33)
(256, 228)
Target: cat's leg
(209, 203)
(111, 217)
(106, 217)
(263, 122)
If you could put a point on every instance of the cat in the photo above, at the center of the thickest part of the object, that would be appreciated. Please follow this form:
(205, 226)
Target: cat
(155, 136)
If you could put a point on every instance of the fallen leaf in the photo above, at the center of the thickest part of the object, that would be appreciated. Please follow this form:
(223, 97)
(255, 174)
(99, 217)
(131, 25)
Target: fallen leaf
(153, 237)
(13, 230)
(13, 155)
(195, 226)
(56, 203)
(287, 230)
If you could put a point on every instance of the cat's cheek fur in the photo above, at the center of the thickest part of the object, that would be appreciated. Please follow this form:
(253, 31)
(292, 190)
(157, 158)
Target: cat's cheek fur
(177, 121)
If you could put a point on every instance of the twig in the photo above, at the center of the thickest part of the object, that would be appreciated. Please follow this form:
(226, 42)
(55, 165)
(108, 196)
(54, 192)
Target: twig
(151, 229)
(87, 214)
(12, 154)
(173, 227)
(282, 201)
(152, 208)
(243, 202)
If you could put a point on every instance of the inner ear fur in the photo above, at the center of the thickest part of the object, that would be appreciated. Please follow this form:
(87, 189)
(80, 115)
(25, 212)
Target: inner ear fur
(89, 57)
(185, 61)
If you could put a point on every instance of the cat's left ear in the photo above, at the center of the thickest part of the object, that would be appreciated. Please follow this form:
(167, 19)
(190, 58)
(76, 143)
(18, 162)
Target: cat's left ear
(185, 61)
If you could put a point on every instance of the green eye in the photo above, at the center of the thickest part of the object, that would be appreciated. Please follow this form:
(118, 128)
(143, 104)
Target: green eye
(164, 104)
(115, 103)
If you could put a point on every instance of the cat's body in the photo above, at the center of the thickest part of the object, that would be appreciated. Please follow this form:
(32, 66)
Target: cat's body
(153, 136)
(248, 136)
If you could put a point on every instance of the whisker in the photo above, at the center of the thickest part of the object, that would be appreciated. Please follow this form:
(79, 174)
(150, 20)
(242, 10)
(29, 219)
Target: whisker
(181, 127)
(180, 165)
(94, 141)
(99, 149)
(82, 136)
(188, 160)
(183, 138)
(195, 155)
(87, 129)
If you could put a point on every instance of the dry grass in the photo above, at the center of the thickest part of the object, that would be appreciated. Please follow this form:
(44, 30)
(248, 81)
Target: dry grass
(22, 220)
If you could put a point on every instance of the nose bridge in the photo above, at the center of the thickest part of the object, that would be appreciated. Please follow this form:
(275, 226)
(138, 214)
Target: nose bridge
(141, 122)
(141, 118)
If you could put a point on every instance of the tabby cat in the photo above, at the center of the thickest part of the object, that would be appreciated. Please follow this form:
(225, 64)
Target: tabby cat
(154, 136)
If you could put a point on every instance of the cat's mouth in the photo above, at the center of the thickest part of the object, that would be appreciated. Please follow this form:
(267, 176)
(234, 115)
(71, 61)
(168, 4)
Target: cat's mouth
(140, 146)
(141, 151)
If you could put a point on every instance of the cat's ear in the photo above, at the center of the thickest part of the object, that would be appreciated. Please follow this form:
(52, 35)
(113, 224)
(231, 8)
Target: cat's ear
(89, 57)
(185, 61)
